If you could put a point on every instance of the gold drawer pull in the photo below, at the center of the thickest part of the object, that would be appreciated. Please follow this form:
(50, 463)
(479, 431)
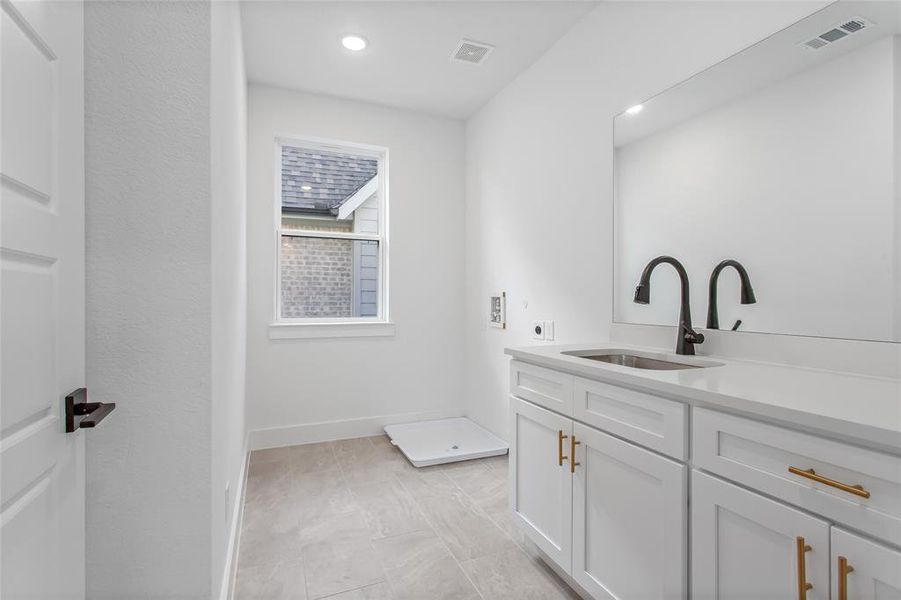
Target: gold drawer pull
(803, 586)
(857, 490)
(560, 438)
(572, 450)
(843, 569)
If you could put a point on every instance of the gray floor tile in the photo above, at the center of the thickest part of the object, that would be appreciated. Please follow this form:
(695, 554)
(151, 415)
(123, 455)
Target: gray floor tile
(497, 507)
(479, 480)
(269, 535)
(467, 531)
(319, 495)
(426, 481)
(512, 576)
(340, 564)
(389, 509)
(419, 566)
(354, 520)
(363, 461)
(379, 591)
(278, 581)
(271, 455)
(342, 527)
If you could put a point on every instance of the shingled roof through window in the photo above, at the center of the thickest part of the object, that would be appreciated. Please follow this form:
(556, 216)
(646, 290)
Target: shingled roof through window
(317, 181)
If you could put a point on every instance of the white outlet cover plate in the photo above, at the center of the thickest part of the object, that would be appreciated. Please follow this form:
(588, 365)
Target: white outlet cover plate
(428, 443)
(538, 336)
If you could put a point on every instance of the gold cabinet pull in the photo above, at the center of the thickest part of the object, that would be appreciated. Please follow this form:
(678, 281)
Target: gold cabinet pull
(803, 586)
(843, 569)
(560, 456)
(572, 451)
(857, 490)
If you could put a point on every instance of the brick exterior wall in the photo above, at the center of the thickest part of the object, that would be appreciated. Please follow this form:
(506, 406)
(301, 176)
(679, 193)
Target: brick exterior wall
(317, 277)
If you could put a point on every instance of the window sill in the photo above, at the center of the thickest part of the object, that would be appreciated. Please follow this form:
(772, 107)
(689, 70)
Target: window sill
(297, 331)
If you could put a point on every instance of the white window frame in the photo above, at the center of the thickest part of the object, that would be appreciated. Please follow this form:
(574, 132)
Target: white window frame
(330, 327)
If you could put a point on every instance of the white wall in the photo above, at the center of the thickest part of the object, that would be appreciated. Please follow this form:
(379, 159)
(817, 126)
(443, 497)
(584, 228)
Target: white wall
(293, 383)
(539, 170)
(228, 220)
(796, 181)
(897, 122)
(147, 148)
(165, 124)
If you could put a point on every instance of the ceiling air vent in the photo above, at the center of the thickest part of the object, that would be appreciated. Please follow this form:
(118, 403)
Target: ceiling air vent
(842, 30)
(472, 52)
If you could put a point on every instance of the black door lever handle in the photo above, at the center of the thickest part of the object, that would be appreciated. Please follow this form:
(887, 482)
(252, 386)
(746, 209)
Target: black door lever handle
(83, 414)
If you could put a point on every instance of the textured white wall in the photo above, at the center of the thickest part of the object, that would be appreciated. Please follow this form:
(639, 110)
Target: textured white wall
(539, 170)
(147, 142)
(297, 382)
(795, 181)
(228, 220)
(897, 122)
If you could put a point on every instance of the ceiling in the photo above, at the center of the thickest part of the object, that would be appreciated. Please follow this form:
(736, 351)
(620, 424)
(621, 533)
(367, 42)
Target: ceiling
(295, 45)
(767, 62)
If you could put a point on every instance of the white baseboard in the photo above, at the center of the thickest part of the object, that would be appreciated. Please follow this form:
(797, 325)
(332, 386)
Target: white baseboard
(307, 433)
(231, 554)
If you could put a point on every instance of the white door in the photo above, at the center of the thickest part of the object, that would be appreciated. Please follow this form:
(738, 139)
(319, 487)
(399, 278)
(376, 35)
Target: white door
(540, 481)
(41, 298)
(745, 546)
(864, 570)
(630, 538)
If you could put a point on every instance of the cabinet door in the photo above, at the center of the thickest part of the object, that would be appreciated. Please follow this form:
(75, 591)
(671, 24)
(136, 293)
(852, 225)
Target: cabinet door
(745, 546)
(629, 520)
(874, 573)
(540, 482)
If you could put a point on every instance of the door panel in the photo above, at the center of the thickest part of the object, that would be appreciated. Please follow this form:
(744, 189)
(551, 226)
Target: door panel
(540, 487)
(29, 70)
(876, 571)
(745, 546)
(41, 298)
(629, 520)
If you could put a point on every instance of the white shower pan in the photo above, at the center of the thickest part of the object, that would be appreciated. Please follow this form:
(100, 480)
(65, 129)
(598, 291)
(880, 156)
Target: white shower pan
(428, 443)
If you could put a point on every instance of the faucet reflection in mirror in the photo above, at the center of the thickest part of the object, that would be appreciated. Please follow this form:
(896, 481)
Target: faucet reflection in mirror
(747, 292)
(686, 337)
(789, 158)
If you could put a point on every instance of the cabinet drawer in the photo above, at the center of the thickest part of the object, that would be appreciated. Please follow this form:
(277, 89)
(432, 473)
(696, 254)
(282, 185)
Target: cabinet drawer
(546, 387)
(817, 474)
(656, 423)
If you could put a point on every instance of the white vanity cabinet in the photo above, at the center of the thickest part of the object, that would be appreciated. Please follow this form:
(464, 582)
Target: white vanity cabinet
(629, 519)
(540, 481)
(609, 513)
(603, 476)
(744, 545)
(864, 570)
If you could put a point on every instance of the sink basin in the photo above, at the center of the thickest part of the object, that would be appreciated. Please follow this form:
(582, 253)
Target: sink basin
(638, 361)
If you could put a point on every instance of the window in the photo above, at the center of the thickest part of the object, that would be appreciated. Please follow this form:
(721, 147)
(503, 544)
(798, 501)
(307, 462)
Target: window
(332, 254)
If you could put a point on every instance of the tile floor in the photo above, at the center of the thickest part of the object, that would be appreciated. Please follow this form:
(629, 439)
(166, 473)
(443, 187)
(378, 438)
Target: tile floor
(353, 520)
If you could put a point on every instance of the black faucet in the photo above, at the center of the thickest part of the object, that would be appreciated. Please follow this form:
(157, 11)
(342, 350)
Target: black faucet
(686, 337)
(747, 292)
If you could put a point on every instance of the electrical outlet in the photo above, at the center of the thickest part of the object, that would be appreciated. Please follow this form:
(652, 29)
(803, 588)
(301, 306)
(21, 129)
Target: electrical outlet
(537, 330)
(549, 331)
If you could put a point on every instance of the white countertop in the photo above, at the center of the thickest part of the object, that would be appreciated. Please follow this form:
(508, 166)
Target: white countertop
(861, 409)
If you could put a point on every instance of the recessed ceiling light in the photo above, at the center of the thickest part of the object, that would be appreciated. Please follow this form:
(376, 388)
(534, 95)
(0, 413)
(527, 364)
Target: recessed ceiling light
(306, 188)
(634, 110)
(354, 42)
